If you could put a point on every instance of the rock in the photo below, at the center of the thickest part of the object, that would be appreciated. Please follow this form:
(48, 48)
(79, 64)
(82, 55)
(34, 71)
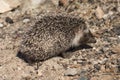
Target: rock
(83, 72)
(99, 12)
(118, 69)
(91, 1)
(105, 49)
(103, 69)
(35, 6)
(100, 52)
(94, 78)
(7, 5)
(106, 77)
(116, 49)
(83, 78)
(40, 73)
(97, 66)
(26, 20)
(1, 25)
(30, 5)
(94, 62)
(81, 62)
(55, 2)
(63, 2)
(118, 9)
(118, 61)
(119, 37)
(118, 65)
(108, 15)
(71, 72)
(103, 61)
(116, 29)
(9, 20)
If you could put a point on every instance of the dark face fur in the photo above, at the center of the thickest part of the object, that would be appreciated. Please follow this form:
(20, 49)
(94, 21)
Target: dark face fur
(87, 37)
(83, 36)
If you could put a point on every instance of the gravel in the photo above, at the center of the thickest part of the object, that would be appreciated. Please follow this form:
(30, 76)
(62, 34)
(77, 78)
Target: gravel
(98, 62)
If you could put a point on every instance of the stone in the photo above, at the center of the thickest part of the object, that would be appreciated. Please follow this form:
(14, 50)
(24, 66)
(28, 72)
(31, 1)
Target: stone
(99, 12)
(33, 6)
(103, 61)
(103, 68)
(26, 20)
(118, 9)
(106, 77)
(83, 72)
(63, 2)
(108, 15)
(100, 52)
(83, 78)
(118, 69)
(116, 29)
(7, 5)
(116, 49)
(94, 62)
(71, 72)
(94, 78)
(55, 2)
(119, 37)
(9, 20)
(97, 66)
(105, 49)
(1, 25)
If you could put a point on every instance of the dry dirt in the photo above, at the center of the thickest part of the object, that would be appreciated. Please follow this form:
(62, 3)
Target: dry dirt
(99, 62)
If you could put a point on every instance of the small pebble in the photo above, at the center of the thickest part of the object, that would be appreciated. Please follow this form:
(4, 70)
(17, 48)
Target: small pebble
(118, 61)
(94, 78)
(118, 9)
(108, 15)
(106, 77)
(99, 12)
(26, 20)
(105, 49)
(119, 37)
(71, 72)
(83, 78)
(100, 52)
(118, 69)
(83, 72)
(97, 66)
(104, 60)
(95, 62)
(1, 25)
(9, 20)
(116, 29)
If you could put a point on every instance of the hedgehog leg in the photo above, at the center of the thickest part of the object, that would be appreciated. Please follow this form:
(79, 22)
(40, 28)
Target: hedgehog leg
(68, 53)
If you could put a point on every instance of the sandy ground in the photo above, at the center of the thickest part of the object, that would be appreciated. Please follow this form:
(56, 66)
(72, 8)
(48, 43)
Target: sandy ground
(101, 62)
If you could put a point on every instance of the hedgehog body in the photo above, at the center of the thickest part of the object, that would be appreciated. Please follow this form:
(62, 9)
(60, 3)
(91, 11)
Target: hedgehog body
(53, 35)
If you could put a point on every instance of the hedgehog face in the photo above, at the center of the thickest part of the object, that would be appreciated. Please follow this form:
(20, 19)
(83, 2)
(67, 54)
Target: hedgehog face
(86, 37)
(83, 37)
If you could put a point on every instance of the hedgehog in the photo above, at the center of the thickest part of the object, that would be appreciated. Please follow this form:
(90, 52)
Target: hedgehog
(53, 35)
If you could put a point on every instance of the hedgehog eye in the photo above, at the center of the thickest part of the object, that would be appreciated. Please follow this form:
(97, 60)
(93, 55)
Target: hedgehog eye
(85, 35)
